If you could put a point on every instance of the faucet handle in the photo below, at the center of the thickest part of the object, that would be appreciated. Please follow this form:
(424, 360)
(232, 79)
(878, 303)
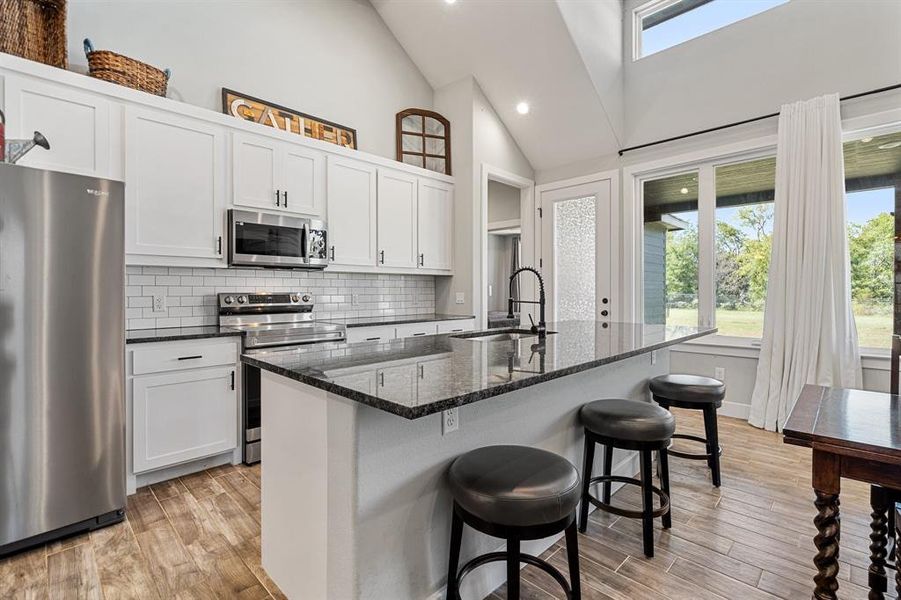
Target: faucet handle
(534, 326)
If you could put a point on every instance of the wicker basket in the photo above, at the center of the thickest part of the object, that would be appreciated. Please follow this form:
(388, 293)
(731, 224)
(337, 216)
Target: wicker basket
(126, 71)
(34, 29)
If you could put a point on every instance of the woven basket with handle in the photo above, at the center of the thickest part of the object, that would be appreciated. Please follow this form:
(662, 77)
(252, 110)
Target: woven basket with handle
(34, 29)
(126, 71)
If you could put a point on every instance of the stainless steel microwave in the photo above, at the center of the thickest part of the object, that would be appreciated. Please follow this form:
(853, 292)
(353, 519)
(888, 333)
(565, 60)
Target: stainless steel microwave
(266, 240)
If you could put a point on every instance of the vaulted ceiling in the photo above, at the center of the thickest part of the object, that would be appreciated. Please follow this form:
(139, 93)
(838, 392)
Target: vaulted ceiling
(563, 58)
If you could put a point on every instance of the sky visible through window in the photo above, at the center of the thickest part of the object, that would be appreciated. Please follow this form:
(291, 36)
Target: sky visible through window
(698, 21)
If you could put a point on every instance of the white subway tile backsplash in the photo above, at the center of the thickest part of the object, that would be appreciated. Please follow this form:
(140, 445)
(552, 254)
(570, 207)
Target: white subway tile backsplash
(191, 293)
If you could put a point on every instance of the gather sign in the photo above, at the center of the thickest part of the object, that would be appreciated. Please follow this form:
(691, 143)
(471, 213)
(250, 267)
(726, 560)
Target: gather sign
(266, 113)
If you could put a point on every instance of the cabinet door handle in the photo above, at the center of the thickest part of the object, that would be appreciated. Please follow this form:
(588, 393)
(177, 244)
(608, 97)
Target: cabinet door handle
(233, 380)
(285, 198)
(278, 195)
(333, 253)
(382, 379)
(382, 257)
(195, 357)
(422, 260)
(418, 334)
(421, 372)
(219, 245)
(373, 339)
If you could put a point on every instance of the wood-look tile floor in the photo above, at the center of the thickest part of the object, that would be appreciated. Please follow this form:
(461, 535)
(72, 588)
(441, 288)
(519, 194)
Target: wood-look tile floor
(199, 537)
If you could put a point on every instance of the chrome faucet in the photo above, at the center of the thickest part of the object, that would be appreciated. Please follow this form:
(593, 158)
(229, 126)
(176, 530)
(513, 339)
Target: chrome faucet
(541, 328)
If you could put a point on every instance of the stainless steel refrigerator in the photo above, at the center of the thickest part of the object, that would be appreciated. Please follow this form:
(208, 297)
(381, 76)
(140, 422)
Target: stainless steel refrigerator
(62, 355)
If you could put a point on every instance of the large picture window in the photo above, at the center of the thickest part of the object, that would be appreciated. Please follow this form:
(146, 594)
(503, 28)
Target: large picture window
(706, 248)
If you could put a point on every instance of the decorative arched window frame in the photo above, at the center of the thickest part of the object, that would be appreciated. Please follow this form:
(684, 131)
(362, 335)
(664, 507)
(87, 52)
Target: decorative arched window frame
(423, 140)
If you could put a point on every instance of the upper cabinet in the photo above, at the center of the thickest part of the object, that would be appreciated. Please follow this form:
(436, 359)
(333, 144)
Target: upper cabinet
(277, 176)
(397, 218)
(174, 187)
(435, 216)
(76, 124)
(352, 211)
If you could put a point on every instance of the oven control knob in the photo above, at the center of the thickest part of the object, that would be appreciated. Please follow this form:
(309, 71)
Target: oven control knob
(229, 299)
(295, 298)
(242, 299)
(306, 298)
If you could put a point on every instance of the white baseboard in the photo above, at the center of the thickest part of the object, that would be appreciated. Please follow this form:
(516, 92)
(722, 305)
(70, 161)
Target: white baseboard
(735, 409)
(627, 467)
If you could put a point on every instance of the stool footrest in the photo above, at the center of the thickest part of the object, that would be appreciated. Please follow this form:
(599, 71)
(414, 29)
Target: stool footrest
(526, 558)
(691, 455)
(631, 514)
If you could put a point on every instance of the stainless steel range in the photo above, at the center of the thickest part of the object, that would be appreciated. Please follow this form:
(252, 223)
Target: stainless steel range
(273, 322)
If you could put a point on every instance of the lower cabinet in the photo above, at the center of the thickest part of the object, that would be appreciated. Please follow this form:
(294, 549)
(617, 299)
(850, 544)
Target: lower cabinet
(456, 326)
(183, 415)
(380, 333)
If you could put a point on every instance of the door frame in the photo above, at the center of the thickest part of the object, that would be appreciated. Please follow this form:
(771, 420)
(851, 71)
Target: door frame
(616, 270)
(529, 246)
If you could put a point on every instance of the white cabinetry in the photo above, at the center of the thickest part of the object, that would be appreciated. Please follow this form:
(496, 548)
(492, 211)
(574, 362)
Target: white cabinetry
(379, 333)
(174, 187)
(397, 218)
(182, 407)
(183, 415)
(416, 329)
(456, 325)
(76, 124)
(435, 216)
(276, 175)
(352, 211)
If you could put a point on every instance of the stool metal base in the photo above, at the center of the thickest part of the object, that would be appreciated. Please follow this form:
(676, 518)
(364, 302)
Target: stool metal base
(572, 590)
(692, 455)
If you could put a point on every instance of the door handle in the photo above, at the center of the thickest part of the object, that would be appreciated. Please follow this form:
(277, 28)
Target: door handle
(278, 195)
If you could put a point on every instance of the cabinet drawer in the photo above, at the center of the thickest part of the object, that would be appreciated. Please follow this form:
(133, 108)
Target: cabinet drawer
(456, 326)
(370, 334)
(175, 357)
(416, 330)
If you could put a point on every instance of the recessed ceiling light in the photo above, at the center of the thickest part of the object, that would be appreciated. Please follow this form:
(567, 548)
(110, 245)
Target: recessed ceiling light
(889, 146)
(683, 191)
(450, 1)
(522, 108)
(866, 140)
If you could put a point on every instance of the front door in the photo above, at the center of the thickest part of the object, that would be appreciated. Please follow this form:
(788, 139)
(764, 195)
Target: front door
(576, 251)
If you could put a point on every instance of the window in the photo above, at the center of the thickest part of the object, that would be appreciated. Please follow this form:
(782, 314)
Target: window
(423, 140)
(665, 23)
(872, 185)
(574, 258)
(671, 249)
(744, 229)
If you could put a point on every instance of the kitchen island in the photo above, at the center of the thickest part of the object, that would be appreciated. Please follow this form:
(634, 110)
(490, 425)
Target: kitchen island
(354, 501)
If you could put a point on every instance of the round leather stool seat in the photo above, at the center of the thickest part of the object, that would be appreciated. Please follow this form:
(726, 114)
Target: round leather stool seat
(631, 420)
(515, 486)
(688, 389)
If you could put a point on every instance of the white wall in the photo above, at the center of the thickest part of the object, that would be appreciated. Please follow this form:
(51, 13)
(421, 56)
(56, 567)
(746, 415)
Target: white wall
(480, 137)
(334, 59)
(503, 202)
(798, 50)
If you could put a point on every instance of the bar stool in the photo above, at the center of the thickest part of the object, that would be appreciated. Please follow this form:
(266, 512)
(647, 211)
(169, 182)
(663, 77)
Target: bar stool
(631, 425)
(516, 493)
(696, 393)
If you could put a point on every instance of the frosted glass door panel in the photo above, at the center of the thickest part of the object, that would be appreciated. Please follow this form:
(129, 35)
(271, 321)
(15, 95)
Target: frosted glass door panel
(575, 258)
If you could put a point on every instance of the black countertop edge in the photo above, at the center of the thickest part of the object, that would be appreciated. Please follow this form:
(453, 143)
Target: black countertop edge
(418, 412)
(174, 334)
(399, 319)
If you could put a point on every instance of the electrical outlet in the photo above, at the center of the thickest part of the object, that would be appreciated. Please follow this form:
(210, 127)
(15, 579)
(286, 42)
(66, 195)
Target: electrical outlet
(355, 299)
(653, 357)
(719, 373)
(460, 298)
(159, 304)
(450, 421)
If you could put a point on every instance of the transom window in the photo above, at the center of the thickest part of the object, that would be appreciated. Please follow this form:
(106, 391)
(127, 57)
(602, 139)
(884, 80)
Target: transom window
(662, 24)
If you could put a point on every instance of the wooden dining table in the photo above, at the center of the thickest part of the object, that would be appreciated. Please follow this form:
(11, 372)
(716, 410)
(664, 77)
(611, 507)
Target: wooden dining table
(856, 435)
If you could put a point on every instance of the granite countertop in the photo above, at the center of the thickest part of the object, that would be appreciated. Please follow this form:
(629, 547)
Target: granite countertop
(416, 377)
(172, 334)
(398, 319)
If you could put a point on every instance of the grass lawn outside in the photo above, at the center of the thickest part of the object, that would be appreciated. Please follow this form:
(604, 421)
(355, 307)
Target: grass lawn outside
(873, 331)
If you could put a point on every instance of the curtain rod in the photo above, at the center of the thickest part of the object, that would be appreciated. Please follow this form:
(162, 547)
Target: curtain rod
(746, 121)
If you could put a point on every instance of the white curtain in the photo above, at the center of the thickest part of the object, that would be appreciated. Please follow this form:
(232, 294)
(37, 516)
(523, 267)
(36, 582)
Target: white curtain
(809, 335)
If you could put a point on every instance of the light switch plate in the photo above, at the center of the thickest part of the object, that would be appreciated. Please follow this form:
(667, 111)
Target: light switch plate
(450, 421)
(460, 298)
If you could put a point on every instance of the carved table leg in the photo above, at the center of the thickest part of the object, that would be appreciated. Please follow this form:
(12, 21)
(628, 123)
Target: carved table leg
(826, 484)
(897, 509)
(879, 502)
